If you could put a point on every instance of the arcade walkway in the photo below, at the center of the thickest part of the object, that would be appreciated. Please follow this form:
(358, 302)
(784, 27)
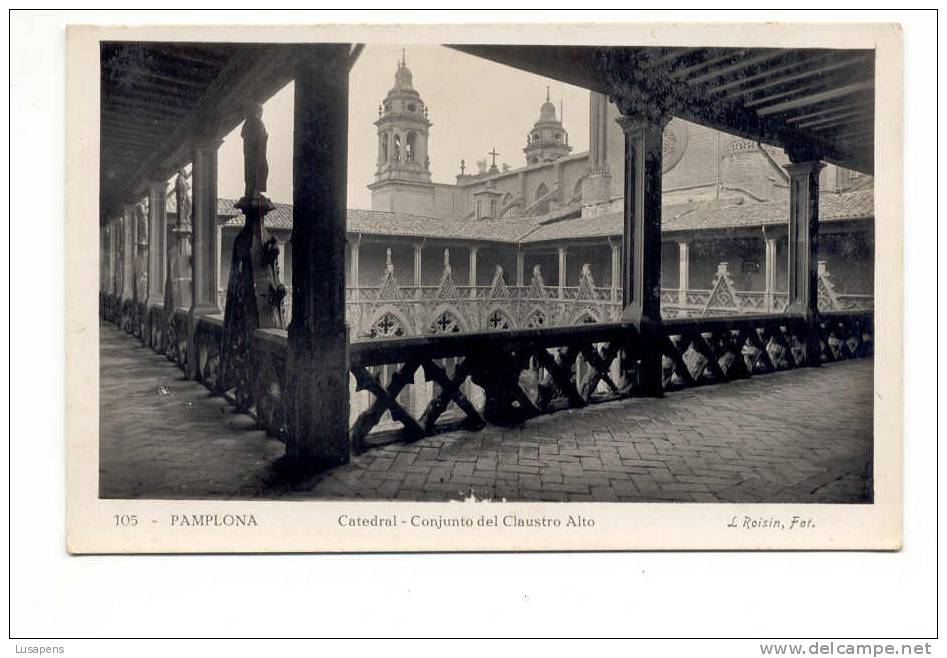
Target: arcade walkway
(798, 436)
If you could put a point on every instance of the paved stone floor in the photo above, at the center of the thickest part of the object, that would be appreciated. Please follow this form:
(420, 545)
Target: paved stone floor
(799, 436)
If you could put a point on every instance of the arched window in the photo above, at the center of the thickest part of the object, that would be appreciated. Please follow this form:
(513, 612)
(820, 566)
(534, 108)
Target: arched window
(543, 207)
(410, 146)
(397, 154)
(493, 208)
(384, 146)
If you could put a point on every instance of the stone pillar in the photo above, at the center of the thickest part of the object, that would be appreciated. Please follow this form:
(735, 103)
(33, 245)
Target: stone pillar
(204, 250)
(103, 257)
(684, 269)
(472, 274)
(157, 241)
(353, 273)
(204, 259)
(318, 363)
(803, 172)
(128, 252)
(221, 284)
(641, 270)
(769, 284)
(417, 264)
(563, 264)
(115, 236)
(597, 187)
(616, 271)
(520, 268)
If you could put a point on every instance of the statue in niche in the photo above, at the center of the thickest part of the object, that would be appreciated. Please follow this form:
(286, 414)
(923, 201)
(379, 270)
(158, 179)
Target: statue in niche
(182, 198)
(255, 168)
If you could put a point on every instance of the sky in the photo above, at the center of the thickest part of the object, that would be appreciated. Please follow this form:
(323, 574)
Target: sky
(475, 106)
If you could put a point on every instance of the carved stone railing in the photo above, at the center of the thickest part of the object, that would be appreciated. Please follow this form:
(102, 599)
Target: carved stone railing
(176, 337)
(208, 341)
(390, 310)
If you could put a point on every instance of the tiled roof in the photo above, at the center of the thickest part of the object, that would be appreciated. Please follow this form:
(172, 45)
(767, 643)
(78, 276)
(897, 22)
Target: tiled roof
(714, 215)
(396, 224)
(374, 222)
(696, 216)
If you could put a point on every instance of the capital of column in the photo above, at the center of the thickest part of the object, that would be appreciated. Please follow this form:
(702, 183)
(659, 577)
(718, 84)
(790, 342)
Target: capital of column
(803, 154)
(804, 167)
(206, 143)
(641, 119)
(158, 186)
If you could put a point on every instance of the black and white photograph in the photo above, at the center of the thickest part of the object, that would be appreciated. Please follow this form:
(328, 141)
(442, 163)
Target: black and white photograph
(500, 272)
(523, 324)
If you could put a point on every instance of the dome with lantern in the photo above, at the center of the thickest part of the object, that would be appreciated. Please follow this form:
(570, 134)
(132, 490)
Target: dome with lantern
(548, 140)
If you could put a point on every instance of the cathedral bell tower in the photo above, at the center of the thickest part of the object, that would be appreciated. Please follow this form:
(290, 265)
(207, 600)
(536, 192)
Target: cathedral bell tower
(403, 127)
(403, 174)
(548, 140)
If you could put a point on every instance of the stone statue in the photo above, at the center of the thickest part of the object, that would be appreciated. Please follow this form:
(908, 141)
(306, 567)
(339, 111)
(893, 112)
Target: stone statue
(183, 198)
(255, 169)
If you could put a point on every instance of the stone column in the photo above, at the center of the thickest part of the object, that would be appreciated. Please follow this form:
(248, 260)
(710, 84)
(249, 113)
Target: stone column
(616, 271)
(128, 252)
(472, 273)
(103, 257)
(353, 272)
(597, 187)
(641, 271)
(769, 284)
(684, 269)
(318, 364)
(417, 264)
(204, 240)
(221, 284)
(204, 260)
(157, 241)
(563, 264)
(803, 172)
(115, 230)
(520, 268)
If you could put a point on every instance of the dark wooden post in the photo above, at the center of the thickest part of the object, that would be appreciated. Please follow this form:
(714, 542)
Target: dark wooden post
(318, 368)
(803, 172)
(641, 266)
(203, 242)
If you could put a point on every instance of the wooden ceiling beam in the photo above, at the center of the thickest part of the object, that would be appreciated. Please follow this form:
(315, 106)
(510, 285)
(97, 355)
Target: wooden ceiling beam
(729, 55)
(134, 71)
(858, 126)
(670, 56)
(814, 99)
(136, 130)
(789, 67)
(778, 82)
(149, 112)
(131, 96)
(134, 86)
(749, 62)
(836, 119)
(843, 106)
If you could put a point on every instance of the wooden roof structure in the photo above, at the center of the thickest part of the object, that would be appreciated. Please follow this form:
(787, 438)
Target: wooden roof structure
(159, 98)
(819, 99)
